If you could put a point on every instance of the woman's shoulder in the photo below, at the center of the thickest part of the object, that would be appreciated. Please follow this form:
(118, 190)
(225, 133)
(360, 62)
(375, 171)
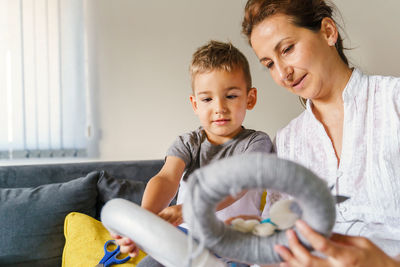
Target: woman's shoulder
(364, 88)
(291, 132)
(384, 82)
(384, 78)
(293, 126)
(384, 88)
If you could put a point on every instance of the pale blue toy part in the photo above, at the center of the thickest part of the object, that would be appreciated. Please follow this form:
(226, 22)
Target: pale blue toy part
(209, 185)
(158, 238)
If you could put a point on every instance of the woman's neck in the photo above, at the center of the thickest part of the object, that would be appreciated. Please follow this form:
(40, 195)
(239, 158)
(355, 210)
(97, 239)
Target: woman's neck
(329, 110)
(333, 100)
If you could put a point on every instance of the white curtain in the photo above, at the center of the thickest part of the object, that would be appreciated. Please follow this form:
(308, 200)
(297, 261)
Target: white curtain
(43, 87)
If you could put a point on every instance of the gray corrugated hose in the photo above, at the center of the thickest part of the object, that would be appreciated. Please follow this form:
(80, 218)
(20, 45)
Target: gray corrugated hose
(209, 185)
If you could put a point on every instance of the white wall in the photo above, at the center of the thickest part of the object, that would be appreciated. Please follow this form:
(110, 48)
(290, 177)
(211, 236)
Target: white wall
(140, 51)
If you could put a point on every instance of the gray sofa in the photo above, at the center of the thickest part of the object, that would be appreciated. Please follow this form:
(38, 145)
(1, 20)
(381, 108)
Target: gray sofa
(34, 200)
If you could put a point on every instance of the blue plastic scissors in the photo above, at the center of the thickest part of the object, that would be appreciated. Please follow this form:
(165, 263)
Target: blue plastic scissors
(110, 256)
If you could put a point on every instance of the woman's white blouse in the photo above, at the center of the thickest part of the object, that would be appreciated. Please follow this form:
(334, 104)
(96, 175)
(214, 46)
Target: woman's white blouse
(369, 169)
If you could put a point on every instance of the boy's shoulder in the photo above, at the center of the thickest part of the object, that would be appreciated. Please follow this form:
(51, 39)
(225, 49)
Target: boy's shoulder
(197, 135)
(196, 139)
(253, 141)
(190, 140)
(253, 134)
(186, 146)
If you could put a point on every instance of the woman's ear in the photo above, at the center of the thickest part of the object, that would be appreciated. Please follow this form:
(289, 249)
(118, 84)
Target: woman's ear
(251, 98)
(329, 31)
(194, 103)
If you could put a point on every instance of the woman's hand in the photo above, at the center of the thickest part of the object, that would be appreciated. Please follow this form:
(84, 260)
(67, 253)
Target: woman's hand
(340, 250)
(126, 245)
(172, 214)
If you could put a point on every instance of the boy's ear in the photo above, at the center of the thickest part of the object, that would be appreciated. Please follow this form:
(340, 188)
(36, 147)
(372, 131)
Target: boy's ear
(194, 103)
(251, 98)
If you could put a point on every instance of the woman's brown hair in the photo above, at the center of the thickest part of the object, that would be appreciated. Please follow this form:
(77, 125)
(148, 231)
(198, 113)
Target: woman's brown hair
(303, 13)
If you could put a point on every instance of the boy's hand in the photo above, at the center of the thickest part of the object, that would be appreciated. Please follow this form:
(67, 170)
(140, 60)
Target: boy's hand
(172, 214)
(126, 245)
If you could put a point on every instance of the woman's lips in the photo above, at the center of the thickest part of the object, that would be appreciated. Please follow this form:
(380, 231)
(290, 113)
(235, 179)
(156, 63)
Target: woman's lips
(299, 83)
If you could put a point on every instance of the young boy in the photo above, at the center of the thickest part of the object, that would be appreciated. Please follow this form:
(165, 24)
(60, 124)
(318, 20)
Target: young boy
(221, 94)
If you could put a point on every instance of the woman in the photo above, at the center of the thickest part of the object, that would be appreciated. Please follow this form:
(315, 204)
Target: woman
(349, 133)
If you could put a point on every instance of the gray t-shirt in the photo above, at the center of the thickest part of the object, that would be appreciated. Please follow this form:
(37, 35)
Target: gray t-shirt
(196, 151)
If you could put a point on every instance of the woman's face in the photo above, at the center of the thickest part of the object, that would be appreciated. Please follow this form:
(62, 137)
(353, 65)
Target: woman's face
(297, 58)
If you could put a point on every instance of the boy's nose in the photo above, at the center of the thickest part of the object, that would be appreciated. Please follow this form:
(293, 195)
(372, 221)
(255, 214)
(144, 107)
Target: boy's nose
(220, 107)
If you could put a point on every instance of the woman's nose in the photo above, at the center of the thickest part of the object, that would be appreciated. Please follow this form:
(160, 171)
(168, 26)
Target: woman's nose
(285, 73)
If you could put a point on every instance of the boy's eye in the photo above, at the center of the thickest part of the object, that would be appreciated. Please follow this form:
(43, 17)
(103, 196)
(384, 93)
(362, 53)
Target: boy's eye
(231, 96)
(207, 99)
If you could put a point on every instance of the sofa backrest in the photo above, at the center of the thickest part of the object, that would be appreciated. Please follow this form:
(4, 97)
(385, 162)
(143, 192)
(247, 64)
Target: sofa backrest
(35, 175)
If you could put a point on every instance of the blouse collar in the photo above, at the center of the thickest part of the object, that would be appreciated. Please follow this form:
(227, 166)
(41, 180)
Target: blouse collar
(350, 90)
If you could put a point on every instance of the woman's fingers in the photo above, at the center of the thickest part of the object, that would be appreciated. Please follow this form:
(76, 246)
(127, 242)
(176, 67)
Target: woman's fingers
(319, 242)
(297, 255)
(298, 250)
(285, 254)
(356, 241)
(339, 250)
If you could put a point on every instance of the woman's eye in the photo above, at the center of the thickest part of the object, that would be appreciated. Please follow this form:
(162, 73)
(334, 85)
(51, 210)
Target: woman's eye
(287, 49)
(231, 96)
(269, 64)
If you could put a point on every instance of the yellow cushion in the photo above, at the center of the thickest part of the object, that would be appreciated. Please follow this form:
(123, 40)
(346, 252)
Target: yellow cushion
(84, 242)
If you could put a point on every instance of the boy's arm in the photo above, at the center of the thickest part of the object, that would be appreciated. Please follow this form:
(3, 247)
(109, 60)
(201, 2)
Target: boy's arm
(162, 188)
(159, 192)
(229, 200)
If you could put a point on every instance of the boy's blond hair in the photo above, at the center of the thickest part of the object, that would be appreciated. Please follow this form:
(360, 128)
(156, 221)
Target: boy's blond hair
(217, 55)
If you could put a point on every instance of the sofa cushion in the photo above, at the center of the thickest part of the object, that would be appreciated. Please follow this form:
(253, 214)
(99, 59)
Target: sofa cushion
(32, 219)
(110, 187)
(84, 242)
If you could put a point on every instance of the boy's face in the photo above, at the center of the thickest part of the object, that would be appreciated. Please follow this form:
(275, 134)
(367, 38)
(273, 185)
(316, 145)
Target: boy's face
(220, 101)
